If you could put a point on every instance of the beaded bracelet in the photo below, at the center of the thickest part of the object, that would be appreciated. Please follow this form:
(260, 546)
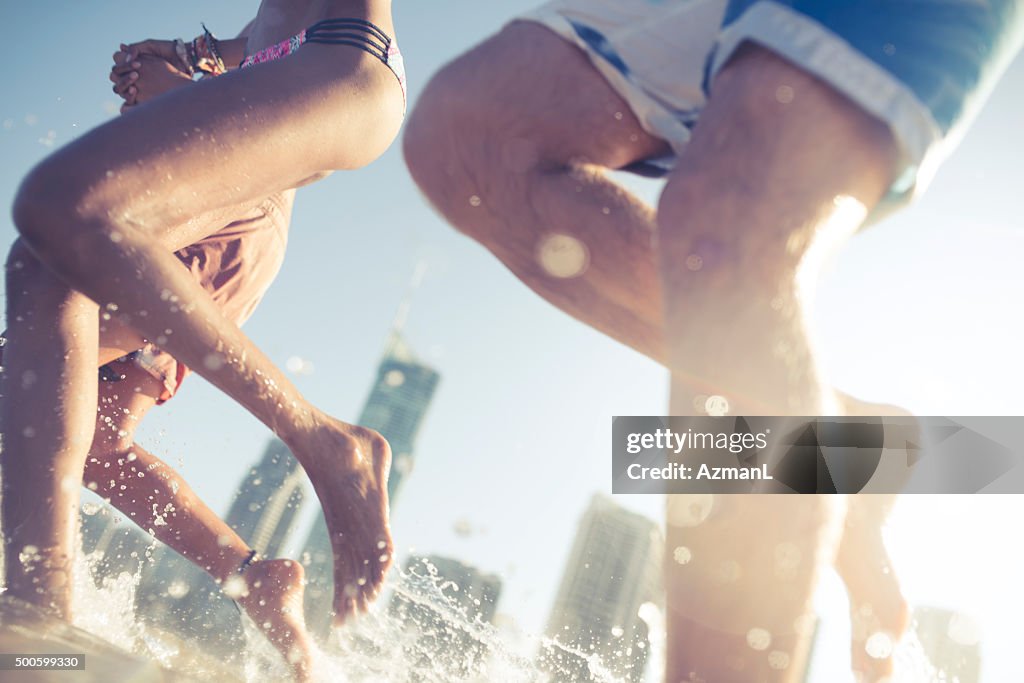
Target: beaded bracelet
(205, 55)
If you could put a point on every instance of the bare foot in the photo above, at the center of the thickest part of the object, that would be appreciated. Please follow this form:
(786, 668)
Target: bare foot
(272, 596)
(348, 466)
(879, 614)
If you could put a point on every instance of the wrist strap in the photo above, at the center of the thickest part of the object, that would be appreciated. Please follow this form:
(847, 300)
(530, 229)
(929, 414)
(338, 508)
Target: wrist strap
(247, 562)
(206, 54)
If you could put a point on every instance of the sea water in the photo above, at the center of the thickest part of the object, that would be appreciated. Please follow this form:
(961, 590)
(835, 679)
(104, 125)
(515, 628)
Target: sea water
(382, 646)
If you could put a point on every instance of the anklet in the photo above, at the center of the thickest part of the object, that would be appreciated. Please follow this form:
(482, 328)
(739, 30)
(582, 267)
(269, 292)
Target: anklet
(247, 562)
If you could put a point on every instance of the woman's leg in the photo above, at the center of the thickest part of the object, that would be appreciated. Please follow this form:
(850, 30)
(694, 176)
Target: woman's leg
(46, 429)
(145, 488)
(104, 214)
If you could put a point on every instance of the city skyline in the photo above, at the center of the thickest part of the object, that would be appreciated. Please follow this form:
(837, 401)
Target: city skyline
(613, 570)
(912, 312)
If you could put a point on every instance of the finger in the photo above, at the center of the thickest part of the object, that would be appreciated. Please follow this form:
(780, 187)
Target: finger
(126, 67)
(123, 85)
(160, 48)
(127, 80)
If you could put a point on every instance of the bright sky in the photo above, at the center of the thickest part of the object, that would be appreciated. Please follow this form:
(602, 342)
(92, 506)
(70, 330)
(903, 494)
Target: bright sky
(923, 311)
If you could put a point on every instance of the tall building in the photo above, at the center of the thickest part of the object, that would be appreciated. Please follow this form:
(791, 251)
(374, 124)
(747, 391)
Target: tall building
(398, 403)
(396, 407)
(177, 595)
(441, 607)
(614, 568)
(268, 501)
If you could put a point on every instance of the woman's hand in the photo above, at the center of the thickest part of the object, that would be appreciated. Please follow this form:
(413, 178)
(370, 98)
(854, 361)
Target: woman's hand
(145, 70)
(164, 49)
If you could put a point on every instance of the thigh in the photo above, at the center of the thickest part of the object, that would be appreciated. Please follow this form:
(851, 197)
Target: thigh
(228, 141)
(527, 97)
(126, 394)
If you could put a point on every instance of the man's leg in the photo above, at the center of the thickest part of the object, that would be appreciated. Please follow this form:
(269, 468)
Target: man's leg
(767, 184)
(457, 142)
(145, 488)
(511, 161)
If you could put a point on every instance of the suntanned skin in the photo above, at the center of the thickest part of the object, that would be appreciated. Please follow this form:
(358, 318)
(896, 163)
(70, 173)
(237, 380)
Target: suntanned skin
(99, 221)
(143, 486)
(494, 125)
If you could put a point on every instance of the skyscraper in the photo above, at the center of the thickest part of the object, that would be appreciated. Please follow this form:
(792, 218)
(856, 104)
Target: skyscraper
(268, 501)
(398, 403)
(613, 569)
(396, 407)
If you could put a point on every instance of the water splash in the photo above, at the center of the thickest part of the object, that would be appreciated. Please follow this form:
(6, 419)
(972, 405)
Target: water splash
(420, 631)
(911, 663)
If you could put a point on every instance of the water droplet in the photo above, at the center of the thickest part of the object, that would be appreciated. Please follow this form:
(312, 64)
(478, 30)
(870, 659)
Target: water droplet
(963, 630)
(759, 639)
(879, 645)
(778, 660)
(784, 94)
(235, 587)
(682, 555)
(563, 256)
(177, 589)
(475, 201)
(716, 406)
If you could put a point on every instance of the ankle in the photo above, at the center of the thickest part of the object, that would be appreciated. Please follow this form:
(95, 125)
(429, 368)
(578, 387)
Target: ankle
(300, 424)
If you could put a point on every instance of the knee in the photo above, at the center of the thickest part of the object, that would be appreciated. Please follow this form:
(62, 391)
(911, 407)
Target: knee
(58, 211)
(110, 453)
(27, 278)
(41, 205)
(721, 232)
(708, 253)
(466, 148)
(438, 140)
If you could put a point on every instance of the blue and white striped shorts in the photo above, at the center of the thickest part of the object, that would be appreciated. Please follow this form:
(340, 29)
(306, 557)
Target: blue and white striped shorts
(924, 67)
